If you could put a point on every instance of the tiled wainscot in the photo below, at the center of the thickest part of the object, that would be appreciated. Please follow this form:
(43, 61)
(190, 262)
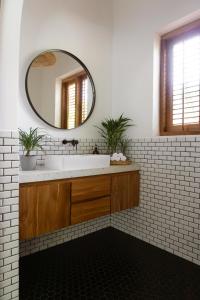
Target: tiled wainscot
(9, 240)
(169, 212)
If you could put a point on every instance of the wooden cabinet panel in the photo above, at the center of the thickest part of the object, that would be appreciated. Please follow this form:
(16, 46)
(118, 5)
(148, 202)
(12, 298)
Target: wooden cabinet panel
(90, 188)
(53, 206)
(44, 207)
(125, 191)
(88, 210)
(27, 212)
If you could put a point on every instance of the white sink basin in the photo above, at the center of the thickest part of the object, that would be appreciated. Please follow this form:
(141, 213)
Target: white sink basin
(76, 162)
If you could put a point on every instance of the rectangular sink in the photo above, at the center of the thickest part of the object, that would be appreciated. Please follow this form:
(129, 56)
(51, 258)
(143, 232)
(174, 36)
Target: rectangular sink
(76, 162)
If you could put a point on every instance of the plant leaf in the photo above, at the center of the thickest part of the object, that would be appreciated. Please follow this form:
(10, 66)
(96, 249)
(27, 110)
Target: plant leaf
(30, 140)
(113, 130)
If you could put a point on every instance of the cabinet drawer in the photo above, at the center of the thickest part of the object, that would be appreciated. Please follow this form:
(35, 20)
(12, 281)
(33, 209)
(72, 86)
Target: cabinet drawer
(88, 210)
(90, 188)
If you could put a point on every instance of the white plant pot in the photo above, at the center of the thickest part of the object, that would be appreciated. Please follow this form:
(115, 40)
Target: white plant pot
(28, 163)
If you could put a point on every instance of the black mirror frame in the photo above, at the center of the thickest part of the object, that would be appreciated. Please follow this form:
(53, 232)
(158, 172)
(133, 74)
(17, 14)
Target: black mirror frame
(88, 73)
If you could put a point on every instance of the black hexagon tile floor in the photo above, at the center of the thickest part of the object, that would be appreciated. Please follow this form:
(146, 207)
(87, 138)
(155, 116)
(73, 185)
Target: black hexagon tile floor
(107, 264)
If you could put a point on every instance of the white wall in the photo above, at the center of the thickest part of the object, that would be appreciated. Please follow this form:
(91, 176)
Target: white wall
(10, 20)
(123, 51)
(136, 26)
(83, 28)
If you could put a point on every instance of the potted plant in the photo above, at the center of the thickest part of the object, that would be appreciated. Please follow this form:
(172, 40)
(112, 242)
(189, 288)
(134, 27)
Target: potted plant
(30, 141)
(113, 132)
(123, 145)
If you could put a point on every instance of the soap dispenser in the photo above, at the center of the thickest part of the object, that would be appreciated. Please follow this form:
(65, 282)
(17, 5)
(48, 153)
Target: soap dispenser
(95, 151)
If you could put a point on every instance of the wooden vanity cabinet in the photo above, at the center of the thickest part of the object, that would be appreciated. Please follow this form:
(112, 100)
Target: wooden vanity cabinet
(49, 206)
(125, 191)
(44, 207)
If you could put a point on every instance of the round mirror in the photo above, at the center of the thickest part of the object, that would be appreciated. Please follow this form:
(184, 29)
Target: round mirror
(60, 89)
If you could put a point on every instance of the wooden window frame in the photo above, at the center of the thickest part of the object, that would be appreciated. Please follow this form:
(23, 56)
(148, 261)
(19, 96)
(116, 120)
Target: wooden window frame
(166, 127)
(77, 79)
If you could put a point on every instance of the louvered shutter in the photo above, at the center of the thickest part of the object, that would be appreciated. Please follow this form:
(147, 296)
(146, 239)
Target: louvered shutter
(181, 82)
(84, 99)
(71, 109)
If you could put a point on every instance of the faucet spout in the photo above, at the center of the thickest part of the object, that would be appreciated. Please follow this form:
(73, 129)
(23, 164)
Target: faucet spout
(73, 142)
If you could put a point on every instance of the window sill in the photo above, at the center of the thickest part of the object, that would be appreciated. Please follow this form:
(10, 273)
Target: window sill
(167, 133)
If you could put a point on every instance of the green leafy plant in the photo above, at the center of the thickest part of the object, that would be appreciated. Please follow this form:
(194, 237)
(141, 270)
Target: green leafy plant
(113, 130)
(123, 145)
(30, 140)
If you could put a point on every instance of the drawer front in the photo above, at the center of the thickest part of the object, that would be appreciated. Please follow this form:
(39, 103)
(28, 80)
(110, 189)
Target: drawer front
(90, 188)
(88, 210)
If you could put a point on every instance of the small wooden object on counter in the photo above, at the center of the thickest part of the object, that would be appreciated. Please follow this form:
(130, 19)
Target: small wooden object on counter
(120, 162)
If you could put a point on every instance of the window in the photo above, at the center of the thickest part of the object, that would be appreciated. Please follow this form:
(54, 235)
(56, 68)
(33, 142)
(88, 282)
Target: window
(71, 105)
(74, 100)
(180, 81)
(84, 99)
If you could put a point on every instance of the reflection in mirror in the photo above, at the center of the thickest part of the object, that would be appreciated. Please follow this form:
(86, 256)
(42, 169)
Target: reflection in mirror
(60, 89)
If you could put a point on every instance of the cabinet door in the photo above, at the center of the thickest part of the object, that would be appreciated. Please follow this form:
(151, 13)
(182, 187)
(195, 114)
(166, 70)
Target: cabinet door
(125, 191)
(44, 207)
(27, 212)
(84, 211)
(53, 206)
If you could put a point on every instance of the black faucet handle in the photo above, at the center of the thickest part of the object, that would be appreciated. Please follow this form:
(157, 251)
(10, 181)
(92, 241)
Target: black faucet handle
(72, 142)
(65, 142)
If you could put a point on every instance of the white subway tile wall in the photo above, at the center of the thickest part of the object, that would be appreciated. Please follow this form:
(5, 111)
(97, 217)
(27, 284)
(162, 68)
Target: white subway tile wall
(9, 204)
(168, 216)
(169, 212)
(62, 236)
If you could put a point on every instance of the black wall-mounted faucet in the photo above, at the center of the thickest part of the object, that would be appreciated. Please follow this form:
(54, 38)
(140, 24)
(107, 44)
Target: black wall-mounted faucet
(73, 142)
